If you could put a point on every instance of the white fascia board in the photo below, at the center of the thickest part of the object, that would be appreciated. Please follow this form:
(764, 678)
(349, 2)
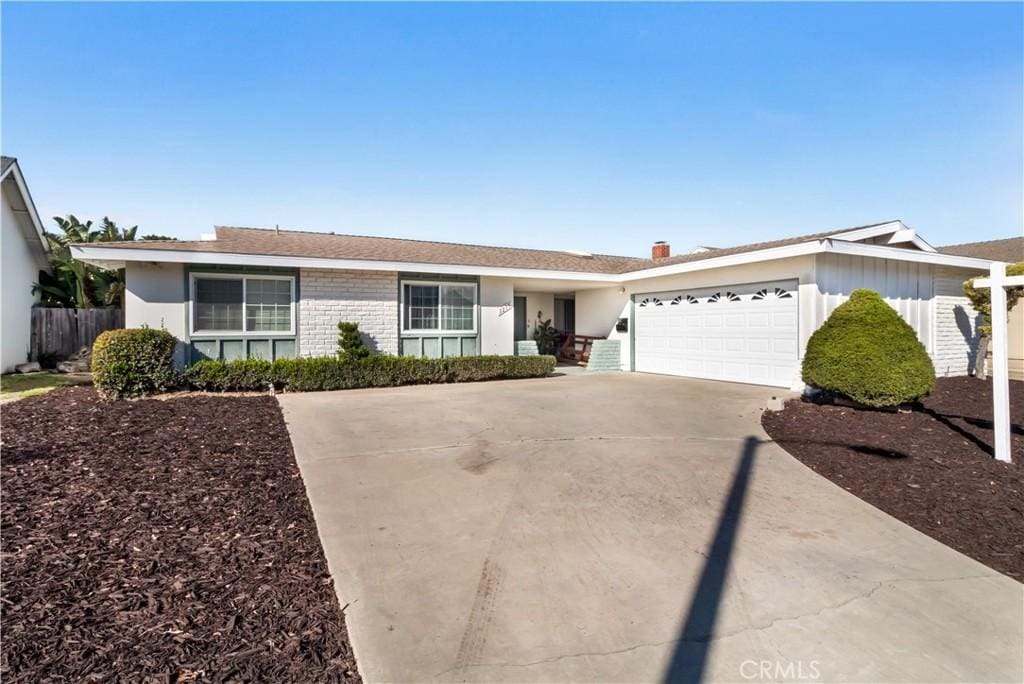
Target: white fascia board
(113, 257)
(900, 233)
(799, 249)
(900, 254)
(870, 232)
(922, 244)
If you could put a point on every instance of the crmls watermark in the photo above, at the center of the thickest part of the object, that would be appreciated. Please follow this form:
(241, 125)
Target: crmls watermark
(778, 670)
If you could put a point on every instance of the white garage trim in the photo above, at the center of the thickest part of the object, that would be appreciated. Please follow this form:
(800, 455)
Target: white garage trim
(738, 333)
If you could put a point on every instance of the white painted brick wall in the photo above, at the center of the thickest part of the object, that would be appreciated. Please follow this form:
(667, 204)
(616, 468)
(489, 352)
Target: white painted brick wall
(956, 323)
(369, 298)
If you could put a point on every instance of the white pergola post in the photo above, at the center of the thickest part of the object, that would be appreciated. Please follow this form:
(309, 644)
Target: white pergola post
(998, 282)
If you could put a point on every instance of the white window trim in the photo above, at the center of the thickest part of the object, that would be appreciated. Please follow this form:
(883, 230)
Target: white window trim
(437, 332)
(194, 332)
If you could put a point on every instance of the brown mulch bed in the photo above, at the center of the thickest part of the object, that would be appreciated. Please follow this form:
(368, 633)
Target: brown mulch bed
(932, 468)
(162, 541)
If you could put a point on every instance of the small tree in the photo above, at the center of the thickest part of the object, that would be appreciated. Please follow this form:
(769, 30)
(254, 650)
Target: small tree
(981, 300)
(350, 342)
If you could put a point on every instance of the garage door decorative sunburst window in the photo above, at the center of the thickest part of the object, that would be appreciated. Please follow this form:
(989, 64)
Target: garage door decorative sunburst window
(778, 293)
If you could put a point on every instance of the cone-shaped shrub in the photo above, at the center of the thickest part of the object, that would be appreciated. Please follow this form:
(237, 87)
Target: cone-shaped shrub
(866, 352)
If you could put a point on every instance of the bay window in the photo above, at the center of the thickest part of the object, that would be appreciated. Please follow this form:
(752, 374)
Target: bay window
(242, 304)
(439, 307)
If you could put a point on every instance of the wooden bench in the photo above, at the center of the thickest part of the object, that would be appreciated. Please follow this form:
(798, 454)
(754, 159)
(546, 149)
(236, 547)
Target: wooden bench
(576, 348)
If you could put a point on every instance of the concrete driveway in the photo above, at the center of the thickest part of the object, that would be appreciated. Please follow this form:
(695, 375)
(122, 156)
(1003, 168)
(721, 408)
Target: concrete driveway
(624, 527)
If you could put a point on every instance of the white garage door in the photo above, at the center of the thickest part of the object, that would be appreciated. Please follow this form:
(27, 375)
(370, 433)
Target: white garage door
(741, 333)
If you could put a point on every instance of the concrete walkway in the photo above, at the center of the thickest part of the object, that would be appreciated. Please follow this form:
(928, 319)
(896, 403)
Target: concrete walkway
(624, 527)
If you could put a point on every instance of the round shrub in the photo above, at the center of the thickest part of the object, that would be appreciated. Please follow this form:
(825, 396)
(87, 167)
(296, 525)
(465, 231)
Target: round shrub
(866, 352)
(133, 362)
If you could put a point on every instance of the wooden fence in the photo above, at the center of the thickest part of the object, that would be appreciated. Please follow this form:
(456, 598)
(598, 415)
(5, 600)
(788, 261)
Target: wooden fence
(64, 331)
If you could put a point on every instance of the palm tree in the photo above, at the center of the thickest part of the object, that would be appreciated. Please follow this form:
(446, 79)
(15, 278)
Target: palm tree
(74, 283)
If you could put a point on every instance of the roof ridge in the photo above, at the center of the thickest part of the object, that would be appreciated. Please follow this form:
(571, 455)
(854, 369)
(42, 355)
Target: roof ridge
(429, 242)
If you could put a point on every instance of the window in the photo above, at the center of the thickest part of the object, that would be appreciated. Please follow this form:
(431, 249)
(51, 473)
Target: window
(438, 307)
(268, 305)
(242, 304)
(218, 304)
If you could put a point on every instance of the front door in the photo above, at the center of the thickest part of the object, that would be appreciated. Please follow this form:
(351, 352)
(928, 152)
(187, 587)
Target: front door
(519, 304)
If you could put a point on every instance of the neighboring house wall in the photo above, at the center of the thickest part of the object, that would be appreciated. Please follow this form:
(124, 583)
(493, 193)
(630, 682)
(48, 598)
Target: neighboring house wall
(1016, 341)
(497, 316)
(956, 323)
(369, 298)
(155, 297)
(20, 269)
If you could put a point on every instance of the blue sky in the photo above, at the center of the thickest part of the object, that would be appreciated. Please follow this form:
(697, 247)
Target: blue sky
(590, 126)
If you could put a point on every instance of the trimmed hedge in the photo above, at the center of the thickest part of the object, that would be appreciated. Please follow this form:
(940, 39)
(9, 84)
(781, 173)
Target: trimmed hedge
(867, 352)
(330, 373)
(132, 362)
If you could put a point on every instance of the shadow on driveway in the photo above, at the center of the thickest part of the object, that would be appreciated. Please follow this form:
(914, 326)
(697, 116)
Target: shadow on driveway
(691, 655)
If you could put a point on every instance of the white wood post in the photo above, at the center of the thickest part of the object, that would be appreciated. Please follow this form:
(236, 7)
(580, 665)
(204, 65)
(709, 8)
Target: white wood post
(1000, 363)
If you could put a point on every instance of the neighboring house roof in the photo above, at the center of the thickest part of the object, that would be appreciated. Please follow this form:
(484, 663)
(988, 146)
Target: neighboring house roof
(272, 247)
(1010, 250)
(16, 191)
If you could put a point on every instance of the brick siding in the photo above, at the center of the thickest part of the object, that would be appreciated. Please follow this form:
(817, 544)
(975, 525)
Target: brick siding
(369, 298)
(956, 324)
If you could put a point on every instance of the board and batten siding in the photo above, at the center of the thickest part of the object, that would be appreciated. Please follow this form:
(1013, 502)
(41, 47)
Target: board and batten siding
(906, 286)
(369, 298)
(930, 298)
(956, 323)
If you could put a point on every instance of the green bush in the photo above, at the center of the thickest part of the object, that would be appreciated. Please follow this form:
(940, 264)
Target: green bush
(133, 362)
(244, 375)
(866, 352)
(330, 373)
(350, 342)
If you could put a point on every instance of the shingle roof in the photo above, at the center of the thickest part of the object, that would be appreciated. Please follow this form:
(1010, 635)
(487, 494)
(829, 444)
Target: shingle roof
(753, 247)
(294, 243)
(1010, 250)
(269, 241)
(5, 163)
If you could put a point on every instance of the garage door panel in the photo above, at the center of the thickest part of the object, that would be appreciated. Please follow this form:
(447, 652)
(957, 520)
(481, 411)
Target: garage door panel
(749, 336)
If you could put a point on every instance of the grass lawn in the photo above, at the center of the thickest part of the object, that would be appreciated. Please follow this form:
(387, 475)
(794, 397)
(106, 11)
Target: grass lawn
(19, 386)
(161, 540)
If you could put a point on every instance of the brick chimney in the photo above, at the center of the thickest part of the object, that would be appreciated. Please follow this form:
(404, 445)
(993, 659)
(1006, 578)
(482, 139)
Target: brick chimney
(660, 250)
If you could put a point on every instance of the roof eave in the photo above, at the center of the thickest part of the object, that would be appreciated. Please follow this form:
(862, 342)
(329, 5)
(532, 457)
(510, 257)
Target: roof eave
(14, 171)
(108, 257)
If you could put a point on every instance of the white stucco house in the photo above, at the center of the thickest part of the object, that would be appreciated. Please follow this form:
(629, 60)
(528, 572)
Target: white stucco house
(23, 253)
(739, 313)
